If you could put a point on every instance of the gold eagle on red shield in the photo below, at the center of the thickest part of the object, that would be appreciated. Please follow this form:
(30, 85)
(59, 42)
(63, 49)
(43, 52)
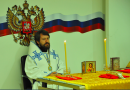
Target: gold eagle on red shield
(25, 27)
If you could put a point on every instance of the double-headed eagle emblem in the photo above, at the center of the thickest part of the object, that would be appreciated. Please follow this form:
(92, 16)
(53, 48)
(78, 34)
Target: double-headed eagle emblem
(26, 26)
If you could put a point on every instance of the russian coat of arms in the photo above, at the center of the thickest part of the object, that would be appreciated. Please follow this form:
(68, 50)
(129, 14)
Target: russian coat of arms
(26, 26)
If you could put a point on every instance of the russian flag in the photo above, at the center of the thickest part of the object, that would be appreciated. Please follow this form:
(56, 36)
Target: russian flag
(65, 23)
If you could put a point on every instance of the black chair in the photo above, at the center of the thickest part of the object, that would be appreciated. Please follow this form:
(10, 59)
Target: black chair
(26, 82)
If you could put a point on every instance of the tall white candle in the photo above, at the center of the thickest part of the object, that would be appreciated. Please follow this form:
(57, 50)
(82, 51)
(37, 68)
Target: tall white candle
(105, 52)
(65, 54)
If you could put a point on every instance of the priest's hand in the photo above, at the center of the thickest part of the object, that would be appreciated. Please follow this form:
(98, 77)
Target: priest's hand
(53, 74)
(59, 74)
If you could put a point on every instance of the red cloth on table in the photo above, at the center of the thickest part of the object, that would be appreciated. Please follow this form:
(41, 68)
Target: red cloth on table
(69, 78)
(125, 70)
(110, 76)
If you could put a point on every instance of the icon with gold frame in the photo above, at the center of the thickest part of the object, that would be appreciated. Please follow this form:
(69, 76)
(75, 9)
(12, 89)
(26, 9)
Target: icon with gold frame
(115, 63)
(90, 66)
(83, 67)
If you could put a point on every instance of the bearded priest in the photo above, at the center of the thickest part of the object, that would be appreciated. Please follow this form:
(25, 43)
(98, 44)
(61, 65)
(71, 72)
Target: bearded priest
(42, 61)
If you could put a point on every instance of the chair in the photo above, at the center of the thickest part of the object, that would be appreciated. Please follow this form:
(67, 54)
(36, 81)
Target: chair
(26, 82)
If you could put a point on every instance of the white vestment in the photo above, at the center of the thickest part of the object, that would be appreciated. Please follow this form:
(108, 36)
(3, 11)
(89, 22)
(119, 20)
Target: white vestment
(36, 65)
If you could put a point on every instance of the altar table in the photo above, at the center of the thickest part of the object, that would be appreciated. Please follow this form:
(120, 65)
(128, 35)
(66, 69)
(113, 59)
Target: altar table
(92, 81)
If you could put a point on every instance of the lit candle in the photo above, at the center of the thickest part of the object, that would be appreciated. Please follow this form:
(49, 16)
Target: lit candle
(105, 52)
(65, 54)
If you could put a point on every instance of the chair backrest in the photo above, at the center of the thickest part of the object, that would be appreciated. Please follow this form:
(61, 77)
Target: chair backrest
(23, 59)
(26, 81)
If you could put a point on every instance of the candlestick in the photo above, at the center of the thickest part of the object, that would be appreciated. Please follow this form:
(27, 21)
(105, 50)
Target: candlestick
(65, 54)
(105, 52)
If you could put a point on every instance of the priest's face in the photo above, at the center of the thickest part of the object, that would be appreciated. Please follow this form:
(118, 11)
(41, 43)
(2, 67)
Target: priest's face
(44, 41)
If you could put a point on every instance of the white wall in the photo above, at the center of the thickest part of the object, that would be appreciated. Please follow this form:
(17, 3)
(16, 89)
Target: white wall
(10, 63)
(118, 30)
(80, 47)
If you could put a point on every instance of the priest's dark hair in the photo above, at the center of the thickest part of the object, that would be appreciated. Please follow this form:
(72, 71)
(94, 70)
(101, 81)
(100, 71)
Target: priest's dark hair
(37, 35)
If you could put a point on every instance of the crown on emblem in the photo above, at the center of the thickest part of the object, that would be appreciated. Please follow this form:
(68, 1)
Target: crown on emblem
(32, 9)
(25, 5)
(19, 8)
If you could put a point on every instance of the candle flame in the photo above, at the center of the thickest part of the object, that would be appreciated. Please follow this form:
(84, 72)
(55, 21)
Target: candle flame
(65, 41)
(105, 39)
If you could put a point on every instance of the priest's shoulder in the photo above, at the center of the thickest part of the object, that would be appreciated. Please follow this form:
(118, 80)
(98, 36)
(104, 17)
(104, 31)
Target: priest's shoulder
(32, 41)
(53, 50)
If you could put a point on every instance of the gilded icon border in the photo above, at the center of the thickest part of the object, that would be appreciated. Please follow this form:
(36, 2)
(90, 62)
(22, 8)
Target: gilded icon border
(90, 67)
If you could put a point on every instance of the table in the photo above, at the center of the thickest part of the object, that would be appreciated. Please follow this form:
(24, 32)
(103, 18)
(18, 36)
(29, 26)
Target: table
(91, 81)
(51, 80)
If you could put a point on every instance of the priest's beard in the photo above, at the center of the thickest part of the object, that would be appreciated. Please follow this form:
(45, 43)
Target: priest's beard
(44, 47)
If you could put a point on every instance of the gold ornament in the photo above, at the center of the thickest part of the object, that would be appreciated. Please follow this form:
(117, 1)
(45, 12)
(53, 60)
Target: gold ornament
(25, 33)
